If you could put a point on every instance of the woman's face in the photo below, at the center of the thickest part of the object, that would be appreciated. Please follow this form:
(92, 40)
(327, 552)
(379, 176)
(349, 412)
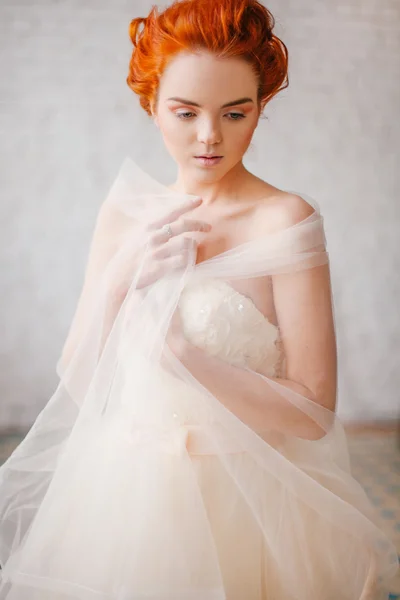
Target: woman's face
(207, 105)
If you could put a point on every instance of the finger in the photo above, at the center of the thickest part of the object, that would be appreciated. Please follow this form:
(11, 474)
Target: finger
(175, 246)
(173, 215)
(186, 225)
(177, 262)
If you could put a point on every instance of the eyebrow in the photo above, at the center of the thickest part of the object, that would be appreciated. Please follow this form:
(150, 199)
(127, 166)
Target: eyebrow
(233, 103)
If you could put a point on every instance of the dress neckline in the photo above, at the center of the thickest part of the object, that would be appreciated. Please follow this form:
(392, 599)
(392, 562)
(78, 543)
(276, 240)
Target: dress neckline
(245, 298)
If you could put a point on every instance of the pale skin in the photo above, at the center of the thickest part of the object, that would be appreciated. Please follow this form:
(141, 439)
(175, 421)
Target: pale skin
(239, 207)
(234, 206)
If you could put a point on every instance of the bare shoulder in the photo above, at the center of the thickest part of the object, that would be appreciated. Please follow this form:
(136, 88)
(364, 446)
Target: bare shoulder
(291, 208)
(280, 209)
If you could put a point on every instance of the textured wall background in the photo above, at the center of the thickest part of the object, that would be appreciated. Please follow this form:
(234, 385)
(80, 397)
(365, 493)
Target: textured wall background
(67, 120)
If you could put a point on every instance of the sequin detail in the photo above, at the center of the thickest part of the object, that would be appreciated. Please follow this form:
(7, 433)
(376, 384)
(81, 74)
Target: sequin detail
(227, 324)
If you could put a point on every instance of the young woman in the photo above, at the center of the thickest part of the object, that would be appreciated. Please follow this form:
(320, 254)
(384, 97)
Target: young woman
(191, 450)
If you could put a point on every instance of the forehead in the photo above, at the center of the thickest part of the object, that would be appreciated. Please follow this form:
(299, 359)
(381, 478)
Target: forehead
(199, 76)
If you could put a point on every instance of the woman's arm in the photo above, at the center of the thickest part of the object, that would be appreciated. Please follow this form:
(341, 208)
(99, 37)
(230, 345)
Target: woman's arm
(249, 396)
(304, 310)
(303, 304)
(115, 265)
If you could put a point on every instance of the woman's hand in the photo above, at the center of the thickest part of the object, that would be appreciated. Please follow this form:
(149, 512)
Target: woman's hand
(170, 250)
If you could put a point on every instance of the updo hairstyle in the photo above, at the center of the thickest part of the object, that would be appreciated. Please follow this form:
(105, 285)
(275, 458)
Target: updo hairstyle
(225, 28)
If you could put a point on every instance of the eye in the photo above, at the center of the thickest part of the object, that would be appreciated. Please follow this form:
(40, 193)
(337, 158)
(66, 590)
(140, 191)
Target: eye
(184, 115)
(235, 116)
(232, 116)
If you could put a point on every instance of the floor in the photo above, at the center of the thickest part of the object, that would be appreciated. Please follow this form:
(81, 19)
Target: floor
(376, 464)
(375, 457)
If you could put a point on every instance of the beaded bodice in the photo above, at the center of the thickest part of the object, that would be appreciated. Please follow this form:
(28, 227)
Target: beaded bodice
(227, 324)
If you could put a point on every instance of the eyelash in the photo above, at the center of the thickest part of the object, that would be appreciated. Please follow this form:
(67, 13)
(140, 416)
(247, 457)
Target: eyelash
(182, 116)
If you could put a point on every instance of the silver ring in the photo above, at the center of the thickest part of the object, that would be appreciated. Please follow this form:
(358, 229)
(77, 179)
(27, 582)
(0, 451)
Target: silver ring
(167, 229)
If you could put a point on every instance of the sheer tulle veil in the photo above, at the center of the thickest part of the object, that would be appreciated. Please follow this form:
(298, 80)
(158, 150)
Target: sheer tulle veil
(108, 461)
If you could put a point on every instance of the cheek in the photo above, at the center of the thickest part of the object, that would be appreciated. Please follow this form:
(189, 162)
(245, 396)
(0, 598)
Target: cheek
(244, 137)
(247, 136)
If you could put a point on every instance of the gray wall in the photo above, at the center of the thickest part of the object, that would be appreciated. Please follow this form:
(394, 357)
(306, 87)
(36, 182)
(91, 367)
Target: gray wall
(67, 120)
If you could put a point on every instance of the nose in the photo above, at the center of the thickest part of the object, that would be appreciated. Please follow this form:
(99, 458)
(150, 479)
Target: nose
(209, 132)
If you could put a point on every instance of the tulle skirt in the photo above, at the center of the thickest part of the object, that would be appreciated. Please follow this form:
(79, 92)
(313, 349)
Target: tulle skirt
(155, 514)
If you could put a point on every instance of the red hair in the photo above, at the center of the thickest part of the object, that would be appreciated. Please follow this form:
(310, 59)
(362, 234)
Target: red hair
(226, 28)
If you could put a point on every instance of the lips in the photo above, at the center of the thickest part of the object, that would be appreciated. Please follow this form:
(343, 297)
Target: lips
(209, 156)
(209, 161)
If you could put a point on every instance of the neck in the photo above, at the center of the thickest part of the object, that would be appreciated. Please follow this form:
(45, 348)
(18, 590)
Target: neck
(213, 191)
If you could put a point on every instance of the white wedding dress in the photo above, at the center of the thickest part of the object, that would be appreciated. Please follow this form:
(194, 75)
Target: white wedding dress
(92, 527)
(155, 492)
